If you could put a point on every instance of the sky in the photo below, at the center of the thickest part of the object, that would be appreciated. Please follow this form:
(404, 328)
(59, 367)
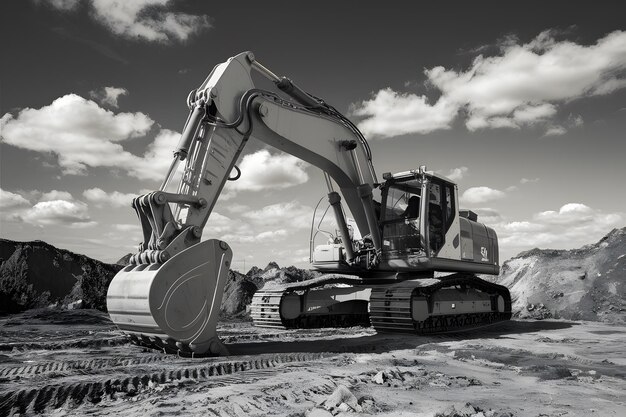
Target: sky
(522, 104)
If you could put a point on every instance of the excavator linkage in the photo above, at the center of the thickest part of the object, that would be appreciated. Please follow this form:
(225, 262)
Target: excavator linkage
(173, 306)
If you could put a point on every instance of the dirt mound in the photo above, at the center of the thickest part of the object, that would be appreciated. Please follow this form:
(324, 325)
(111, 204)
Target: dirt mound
(124, 260)
(240, 288)
(275, 274)
(36, 274)
(579, 284)
(238, 294)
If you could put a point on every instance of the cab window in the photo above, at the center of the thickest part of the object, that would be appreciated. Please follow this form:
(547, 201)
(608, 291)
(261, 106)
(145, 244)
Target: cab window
(400, 220)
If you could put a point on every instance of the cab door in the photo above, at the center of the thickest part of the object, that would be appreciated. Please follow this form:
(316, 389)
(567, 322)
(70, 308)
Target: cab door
(443, 222)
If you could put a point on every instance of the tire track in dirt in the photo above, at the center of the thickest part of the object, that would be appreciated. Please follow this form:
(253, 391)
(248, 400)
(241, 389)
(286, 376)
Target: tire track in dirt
(77, 366)
(65, 344)
(37, 400)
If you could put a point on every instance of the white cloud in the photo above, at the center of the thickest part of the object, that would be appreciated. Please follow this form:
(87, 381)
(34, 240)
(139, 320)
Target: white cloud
(158, 157)
(108, 96)
(488, 216)
(114, 199)
(237, 208)
(571, 226)
(530, 114)
(529, 180)
(389, 113)
(81, 134)
(65, 5)
(576, 121)
(219, 226)
(262, 237)
(78, 131)
(53, 208)
(125, 227)
(292, 214)
(58, 212)
(523, 83)
(10, 201)
(271, 236)
(264, 171)
(148, 20)
(56, 195)
(555, 130)
(569, 213)
(456, 174)
(523, 86)
(478, 195)
(523, 226)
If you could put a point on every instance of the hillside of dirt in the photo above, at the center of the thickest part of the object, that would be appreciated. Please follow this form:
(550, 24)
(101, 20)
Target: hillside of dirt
(36, 274)
(588, 283)
(240, 288)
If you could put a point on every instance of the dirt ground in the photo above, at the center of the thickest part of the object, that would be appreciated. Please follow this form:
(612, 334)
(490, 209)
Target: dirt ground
(76, 363)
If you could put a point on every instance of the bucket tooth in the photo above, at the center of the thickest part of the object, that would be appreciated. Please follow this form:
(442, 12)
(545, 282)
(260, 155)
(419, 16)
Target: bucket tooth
(179, 299)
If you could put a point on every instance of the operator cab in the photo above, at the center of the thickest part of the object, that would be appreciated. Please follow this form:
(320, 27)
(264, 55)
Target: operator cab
(418, 209)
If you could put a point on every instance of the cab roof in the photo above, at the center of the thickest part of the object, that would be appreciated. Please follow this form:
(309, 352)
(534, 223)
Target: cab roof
(414, 173)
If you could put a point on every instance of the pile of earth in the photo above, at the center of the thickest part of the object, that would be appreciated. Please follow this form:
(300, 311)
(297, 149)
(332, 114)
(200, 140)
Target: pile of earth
(240, 288)
(37, 274)
(588, 283)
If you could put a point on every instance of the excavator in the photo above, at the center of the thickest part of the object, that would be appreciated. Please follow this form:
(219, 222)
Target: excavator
(406, 260)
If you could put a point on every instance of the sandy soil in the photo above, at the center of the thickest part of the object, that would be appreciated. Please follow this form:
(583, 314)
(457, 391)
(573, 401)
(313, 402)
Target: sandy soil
(77, 363)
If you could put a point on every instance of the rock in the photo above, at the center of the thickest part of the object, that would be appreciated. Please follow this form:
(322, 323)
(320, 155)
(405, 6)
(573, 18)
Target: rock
(380, 378)
(458, 410)
(76, 305)
(343, 399)
(238, 293)
(255, 270)
(368, 404)
(318, 412)
(270, 266)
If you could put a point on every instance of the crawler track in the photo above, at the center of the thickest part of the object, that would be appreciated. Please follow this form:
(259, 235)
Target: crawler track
(390, 308)
(265, 307)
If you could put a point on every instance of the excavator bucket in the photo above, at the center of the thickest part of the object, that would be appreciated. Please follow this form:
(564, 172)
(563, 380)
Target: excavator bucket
(174, 305)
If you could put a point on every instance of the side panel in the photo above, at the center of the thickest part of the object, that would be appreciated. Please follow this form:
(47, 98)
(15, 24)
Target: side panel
(495, 250)
(328, 253)
(467, 245)
(482, 252)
